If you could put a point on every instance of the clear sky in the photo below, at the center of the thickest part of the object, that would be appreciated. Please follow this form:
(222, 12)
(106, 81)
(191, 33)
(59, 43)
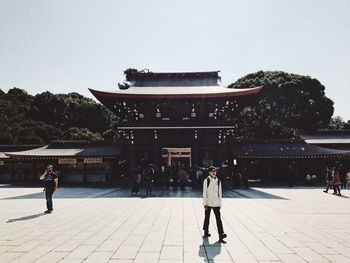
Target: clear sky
(65, 46)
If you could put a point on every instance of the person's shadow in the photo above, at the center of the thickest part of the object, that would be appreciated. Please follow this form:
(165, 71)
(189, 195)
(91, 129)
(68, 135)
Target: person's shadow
(211, 250)
(25, 218)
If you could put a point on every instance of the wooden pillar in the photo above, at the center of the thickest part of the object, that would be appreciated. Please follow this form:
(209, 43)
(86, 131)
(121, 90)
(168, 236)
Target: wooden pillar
(85, 173)
(12, 171)
(169, 158)
(296, 170)
(34, 171)
(157, 155)
(132, 158)
(269, 176)
(195, 154)
(219, 155)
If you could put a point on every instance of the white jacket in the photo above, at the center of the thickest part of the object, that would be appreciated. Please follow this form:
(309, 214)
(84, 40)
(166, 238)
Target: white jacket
(212, 195)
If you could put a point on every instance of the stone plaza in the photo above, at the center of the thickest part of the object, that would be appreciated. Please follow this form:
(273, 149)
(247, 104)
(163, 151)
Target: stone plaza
(279, 224)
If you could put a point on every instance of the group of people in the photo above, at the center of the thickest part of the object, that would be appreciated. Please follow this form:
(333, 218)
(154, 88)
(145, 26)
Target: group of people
(169, 176)
(145, 176)
(335, 180)
(212, 193)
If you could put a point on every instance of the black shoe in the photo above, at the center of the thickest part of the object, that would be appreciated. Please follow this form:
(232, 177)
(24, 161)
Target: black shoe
(325, 191)
(206, 234)
(222, 241)
(222, 236)
(48, 212)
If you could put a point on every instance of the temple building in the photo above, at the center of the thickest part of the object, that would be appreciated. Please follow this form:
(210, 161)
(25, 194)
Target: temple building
(189, 119)
(76, 161)
(175, 117)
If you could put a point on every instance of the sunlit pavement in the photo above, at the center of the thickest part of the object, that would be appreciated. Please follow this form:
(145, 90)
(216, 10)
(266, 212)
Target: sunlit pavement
(107, 225)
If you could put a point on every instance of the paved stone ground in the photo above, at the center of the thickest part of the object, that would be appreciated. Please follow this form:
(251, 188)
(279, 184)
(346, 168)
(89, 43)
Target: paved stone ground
(106, 225)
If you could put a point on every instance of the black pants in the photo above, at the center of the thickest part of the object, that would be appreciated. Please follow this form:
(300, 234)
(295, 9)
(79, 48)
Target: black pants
(149, 188)
(218, 219)
(336, 188)
(48, 195)
(343, 184)
(329, 185)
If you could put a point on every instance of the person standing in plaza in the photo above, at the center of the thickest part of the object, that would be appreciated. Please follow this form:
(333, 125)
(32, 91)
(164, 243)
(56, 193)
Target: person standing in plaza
(50, 179)
(329, 179)
(136, 178)
(149, 180)
(336, 181)
(342, 174)
(212, 198)
(290, 175)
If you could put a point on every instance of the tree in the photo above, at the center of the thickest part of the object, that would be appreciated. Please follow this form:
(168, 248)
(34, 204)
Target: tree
(15, 105)
(336, 123)
(130, 74)
(44, 117)
(49, 108)
(35, 132)
(75, 133)
(287, 104)
(347, 125)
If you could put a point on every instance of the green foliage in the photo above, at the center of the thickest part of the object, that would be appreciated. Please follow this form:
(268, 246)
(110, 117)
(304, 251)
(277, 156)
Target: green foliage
(347, 125)
(45, 116)
(81, 134)
(111, 135)
(129, 77)
(130, 73)
(5, 134)
(337, 123)
(287, 104)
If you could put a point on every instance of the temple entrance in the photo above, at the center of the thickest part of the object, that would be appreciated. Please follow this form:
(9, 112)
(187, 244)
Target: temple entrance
(177, 156)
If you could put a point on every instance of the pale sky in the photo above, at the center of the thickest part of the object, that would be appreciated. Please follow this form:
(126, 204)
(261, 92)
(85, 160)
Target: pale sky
(65, 46)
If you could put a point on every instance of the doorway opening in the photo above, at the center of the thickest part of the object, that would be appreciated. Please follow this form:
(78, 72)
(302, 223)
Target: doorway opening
(177, 156)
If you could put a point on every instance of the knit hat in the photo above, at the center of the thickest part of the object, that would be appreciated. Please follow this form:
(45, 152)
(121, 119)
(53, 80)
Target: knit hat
(212, 168)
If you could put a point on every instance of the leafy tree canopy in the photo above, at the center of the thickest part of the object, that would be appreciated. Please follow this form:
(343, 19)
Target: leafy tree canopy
(46, 116)
(338, 123)
(130, 76)
(81, 134)
(287, 104)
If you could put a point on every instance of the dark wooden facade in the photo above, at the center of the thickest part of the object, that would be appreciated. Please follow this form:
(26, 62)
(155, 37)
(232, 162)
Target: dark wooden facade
(176, 110)
(194, 111)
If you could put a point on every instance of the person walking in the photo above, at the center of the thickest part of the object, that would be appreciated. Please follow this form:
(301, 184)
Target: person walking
(50, 179)
(212, 197)
(136, 178)
(336, 181)
(183, 177)
(329, 179)
(290, 175)
(199, 176)
(343, 181)
(149, 180)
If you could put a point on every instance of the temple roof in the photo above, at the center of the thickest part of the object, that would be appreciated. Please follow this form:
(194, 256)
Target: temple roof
(14, 148)
(57, 149)
(328, 137)
(174, 75)
(286, 150)
(176, 92)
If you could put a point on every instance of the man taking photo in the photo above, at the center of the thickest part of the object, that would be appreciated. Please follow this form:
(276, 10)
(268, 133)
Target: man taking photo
(50, 179)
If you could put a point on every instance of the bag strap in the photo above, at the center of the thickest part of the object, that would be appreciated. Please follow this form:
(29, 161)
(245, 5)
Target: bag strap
(219, 181)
